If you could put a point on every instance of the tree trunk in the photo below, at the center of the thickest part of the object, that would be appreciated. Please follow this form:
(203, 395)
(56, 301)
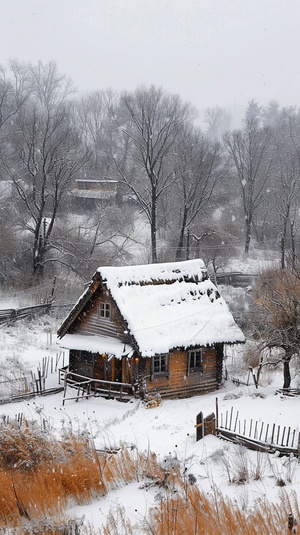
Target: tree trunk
(153, 226)
(188, 245)
(248, 235)
(293, 245)
(283, 244)
(282, 248)
(39, 251)
(180, 250)
(286, 374)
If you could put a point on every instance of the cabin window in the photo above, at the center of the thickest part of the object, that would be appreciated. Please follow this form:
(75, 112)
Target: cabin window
(195, 361)
(160, 363)
(87, 357)
(104, 310)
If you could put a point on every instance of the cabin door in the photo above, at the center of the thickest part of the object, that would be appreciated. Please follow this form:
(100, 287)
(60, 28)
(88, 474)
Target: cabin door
(99, 369)
(115, 370)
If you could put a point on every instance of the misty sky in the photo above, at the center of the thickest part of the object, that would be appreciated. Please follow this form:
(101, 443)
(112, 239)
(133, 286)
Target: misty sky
(211, 52)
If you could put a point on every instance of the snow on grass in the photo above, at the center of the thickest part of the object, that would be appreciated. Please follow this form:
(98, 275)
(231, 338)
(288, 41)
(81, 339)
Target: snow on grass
(169, 431)
(252, 263)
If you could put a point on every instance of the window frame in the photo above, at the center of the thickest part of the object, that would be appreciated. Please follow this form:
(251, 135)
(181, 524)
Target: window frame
(163, 367)
(104, 310)
(193, 367)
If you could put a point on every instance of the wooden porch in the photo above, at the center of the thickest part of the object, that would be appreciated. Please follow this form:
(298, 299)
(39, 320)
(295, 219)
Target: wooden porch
(85, 387)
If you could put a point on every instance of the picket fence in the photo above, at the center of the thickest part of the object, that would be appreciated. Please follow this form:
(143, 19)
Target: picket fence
(256, 434)
(18, 388)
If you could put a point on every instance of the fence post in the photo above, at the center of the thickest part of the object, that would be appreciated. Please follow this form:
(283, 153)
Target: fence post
(65, 386)
(199, 426)
(205, 426)
(292, 522)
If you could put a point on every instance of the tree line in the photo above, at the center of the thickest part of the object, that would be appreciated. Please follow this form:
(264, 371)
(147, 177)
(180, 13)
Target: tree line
(201, 190)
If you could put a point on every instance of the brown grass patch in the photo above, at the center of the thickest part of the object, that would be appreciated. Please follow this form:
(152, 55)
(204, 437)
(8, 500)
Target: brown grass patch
(41, 477)
(193, 513)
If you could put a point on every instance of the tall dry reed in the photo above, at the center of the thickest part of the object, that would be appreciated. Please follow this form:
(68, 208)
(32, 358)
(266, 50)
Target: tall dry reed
(41, 477)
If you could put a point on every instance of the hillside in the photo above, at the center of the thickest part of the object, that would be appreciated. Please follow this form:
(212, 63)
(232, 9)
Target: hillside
(215, 466)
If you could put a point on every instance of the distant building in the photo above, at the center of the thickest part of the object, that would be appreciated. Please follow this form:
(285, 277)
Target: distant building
(93, 193)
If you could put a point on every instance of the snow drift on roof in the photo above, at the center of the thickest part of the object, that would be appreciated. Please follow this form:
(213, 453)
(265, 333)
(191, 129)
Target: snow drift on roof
(96, 344)
(148, 273)
(171, 305)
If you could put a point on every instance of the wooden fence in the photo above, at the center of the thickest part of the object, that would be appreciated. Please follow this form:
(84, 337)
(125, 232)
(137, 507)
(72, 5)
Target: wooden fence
(20, 388)
(13, 386)
(10, 315)
(236, 279)
(84, 387)
(257, 435)
(49, 364)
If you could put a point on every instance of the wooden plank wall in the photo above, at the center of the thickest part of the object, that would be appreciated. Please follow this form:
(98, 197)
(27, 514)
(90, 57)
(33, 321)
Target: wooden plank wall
(176, 383)
(91, 323)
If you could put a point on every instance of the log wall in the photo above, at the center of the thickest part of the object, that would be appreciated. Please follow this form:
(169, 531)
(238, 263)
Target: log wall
(177, 383)
(91, 323)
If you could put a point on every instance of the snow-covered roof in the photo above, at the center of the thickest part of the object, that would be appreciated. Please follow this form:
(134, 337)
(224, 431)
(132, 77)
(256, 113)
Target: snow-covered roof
(171, 305)
(107, 344)
(96, 180)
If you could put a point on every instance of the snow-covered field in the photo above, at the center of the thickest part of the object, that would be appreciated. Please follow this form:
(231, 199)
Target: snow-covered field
(167, 430)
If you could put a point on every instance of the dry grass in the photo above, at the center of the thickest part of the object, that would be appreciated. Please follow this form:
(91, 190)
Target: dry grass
(41, 477)
(191, 513)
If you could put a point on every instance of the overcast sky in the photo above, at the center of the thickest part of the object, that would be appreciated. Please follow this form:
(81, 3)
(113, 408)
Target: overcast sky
(211, 52)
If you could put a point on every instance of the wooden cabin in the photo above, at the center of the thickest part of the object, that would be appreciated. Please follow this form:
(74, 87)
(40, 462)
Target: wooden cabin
(157, 328)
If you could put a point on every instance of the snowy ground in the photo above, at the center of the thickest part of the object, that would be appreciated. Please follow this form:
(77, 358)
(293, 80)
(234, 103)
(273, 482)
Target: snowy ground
(168, 430)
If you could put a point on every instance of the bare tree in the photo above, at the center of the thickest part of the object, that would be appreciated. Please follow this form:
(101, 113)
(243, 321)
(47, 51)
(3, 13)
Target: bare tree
(198, 170)
(14, 90)
(218, 122)
(286, 183)
(43, 155)
(215, 244)
(103, 237)
(151, 129)
(48, 85)
(95, 113)
(248, 149)
(271, 114)
(278, 292)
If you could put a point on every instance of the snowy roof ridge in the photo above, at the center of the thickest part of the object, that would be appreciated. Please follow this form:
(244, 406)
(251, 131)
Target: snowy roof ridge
(151, 273)
(167, 305)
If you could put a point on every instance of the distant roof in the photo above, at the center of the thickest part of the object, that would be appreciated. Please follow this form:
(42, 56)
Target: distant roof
(93, 194)
(96, 180)
(171, 305)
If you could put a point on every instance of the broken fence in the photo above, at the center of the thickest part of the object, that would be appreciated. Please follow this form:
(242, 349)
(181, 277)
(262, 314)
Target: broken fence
(256, 434)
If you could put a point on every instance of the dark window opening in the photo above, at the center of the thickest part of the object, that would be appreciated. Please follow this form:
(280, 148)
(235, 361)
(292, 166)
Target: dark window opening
(195, 360)
(87, 357)
(160, 364)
